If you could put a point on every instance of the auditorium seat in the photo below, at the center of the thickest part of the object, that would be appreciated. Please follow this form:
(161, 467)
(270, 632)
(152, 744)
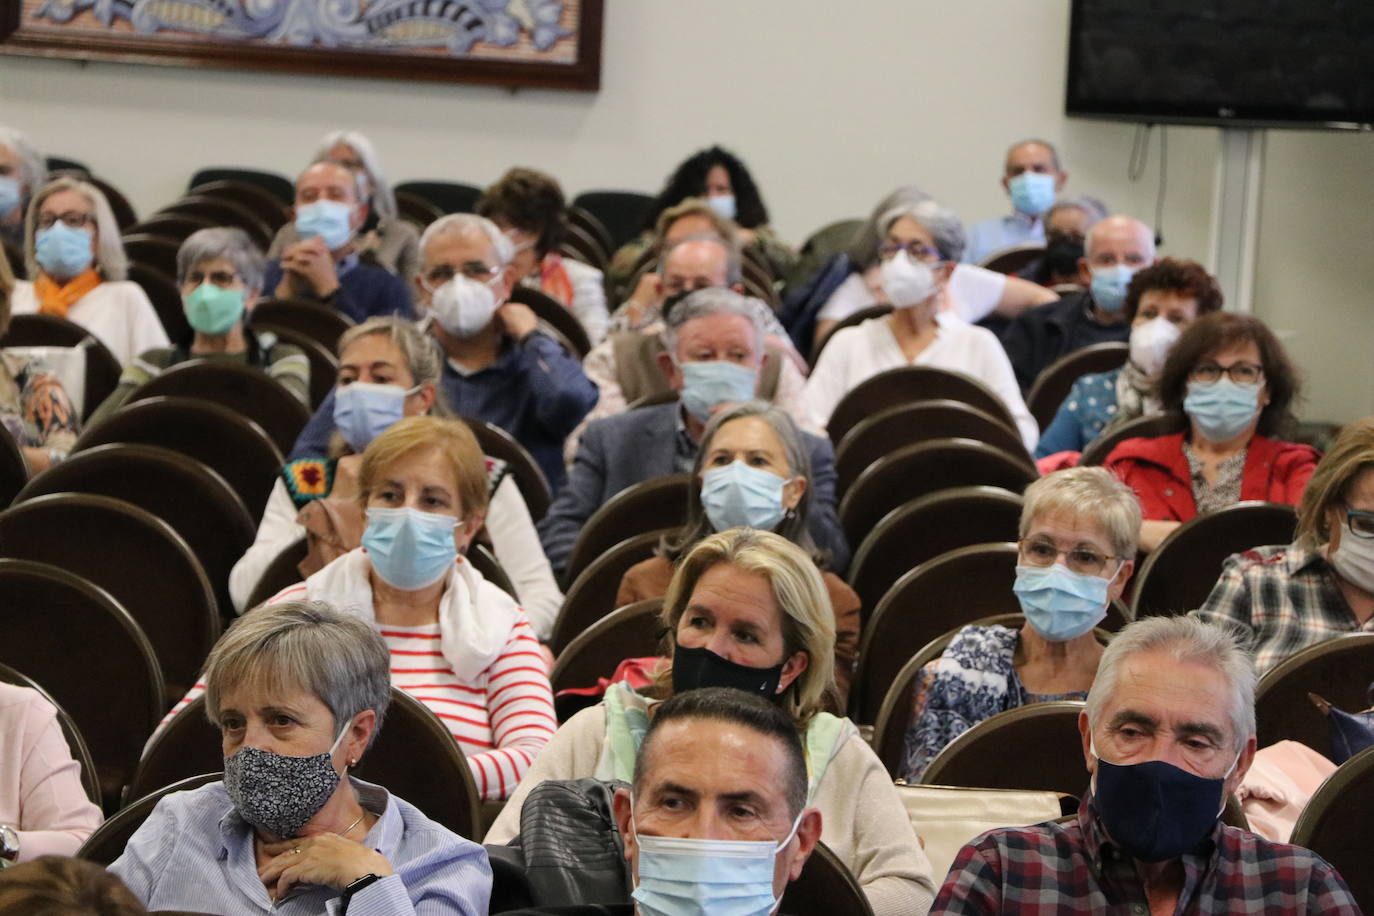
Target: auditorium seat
(77, 744)
(319, 322)
(552, 312)
(653, 505)
(593, 594)
(276, 184)
(632, 631)
(102, 369)
(907, 384)
(1055, 381)
(495, 442)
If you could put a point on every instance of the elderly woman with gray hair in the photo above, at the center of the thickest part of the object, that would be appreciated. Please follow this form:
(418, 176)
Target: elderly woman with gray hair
(922, 242)
(220, 273)
(22, 172)
(77, 264)
(752, 471)
(299, 691)
(385, 238)
(1076, 551)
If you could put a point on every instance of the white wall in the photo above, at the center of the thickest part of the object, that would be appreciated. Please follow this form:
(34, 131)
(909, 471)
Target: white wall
(832, 105)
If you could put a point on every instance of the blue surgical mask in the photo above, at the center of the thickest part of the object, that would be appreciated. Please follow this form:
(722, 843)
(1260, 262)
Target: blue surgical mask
(9, 195)
(408, 548)
(1059, 603)
(1109, 287)
(1223, 409)
(211, 309)
(1032, 193)
(684, 876)
(712, 382)
(723, 204)
(738, 496)
(63, 252)
(362, 410)
(1154, 810)
(328, 219)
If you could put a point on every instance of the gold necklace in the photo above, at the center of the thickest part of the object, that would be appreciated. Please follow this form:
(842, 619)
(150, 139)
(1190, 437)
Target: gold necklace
(349, 829)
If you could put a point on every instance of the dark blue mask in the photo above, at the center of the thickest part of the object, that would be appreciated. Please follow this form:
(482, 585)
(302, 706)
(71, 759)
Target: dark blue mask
(1154, 810)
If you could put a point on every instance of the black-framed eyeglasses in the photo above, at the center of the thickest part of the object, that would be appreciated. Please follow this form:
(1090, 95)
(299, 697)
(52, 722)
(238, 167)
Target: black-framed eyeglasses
(1083, 560)
(225, 278)
(1360, 522)
(440, 274)
(918, 250)
(71, 218)
(1240, 373)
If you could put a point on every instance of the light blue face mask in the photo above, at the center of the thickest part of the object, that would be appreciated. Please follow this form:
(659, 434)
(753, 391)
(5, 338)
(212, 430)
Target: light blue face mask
(1059, 603)
(408, 548)
(1223, 409)
(738, 496)
(9, 195)
(213, 310)
(681, 876)
(712, 382)
(723, 204)
(362, 410)
(63, 252)
(1032, 193)
(1109, 287)
(327, 219)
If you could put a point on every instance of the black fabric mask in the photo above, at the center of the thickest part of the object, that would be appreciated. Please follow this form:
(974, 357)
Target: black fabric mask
(693, 668)
(1062, 253)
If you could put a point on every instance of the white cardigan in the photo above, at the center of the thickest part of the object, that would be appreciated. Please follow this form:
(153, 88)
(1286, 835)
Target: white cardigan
(117, 312)
(513, 539)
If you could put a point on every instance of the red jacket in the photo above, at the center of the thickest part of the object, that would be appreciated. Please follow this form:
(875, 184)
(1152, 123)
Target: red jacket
(1158, 472)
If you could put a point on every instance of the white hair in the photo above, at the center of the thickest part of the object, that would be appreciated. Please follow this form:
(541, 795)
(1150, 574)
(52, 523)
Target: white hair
(383, 199)
(359, 179)
(470, 224)
(110, 259)
(1092, 493)
(33, 170)
(715, 300)
(1187, 640)
(940, 221)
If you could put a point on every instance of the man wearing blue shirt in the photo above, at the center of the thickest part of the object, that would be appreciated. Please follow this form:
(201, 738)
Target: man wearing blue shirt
(323, 266)
(1032, 179)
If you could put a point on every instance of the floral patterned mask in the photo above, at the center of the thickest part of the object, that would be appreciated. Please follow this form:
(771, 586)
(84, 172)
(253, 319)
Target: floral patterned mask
(277, 793)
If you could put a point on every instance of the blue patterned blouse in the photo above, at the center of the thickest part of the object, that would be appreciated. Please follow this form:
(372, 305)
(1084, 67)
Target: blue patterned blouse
(973, 680)
(1090, 406)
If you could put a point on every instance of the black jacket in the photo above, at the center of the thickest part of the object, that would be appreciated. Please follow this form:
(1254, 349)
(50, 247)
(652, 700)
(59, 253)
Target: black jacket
(1044, 333)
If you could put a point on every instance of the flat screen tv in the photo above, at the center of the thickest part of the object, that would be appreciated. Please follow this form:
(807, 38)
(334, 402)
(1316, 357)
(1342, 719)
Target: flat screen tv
(1244, 63)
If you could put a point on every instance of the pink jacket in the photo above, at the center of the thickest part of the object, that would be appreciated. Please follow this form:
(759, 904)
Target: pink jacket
(40, 784)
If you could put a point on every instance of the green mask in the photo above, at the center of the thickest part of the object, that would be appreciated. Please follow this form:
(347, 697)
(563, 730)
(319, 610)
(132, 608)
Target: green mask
(213, 310)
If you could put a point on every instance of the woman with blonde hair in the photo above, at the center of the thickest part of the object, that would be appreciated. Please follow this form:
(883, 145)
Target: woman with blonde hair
(1290, 596)
(748, 609)
(74, 253)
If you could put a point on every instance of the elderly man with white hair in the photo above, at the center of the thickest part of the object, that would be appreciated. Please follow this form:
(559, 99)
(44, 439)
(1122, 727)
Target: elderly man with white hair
(919, 251)
(324, 265)
(1115, 249)
(1168, 734)
(499, 366)
(22, 173)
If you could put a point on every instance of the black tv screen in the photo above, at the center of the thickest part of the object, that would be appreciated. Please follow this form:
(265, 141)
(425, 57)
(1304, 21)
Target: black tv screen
(1268, 63)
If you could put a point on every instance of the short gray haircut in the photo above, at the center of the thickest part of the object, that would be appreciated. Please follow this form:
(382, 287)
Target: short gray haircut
(734, 260)
(1093, 494)
(303, 645)
(383, 198)
(940, 221)
(470, 224)
(227, 242)
(419, 350)
(1187, 640)
(1094, 209)
(359, 179)
(33, 170)
(1034, 141)
(717, 300)
(110, 259)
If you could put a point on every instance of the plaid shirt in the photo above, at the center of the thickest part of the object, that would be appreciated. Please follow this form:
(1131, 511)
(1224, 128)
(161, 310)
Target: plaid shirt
(1075, 868)
(1284, 597)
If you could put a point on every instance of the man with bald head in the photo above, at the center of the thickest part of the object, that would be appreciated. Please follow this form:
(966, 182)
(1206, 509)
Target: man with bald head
(1032, 179)
(1115, 249)
(324, 266)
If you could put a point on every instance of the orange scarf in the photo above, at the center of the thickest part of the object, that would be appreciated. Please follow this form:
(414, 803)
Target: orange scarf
(554, 279)
(55, 300)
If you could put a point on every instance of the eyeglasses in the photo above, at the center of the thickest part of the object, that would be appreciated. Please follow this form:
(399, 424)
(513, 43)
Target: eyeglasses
(1240, 373)
(918, 250)
(1083, 560)
(440, 274)
(71, 218)
(1360, 523)
(223, 278)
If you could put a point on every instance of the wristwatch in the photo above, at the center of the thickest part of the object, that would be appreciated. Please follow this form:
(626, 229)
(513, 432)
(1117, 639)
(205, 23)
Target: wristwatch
(353, 888)
(9, 843)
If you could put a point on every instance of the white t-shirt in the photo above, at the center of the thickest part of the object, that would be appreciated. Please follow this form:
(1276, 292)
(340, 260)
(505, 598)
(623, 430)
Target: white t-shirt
(972, 294)
(861, 352)
(117, 312)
